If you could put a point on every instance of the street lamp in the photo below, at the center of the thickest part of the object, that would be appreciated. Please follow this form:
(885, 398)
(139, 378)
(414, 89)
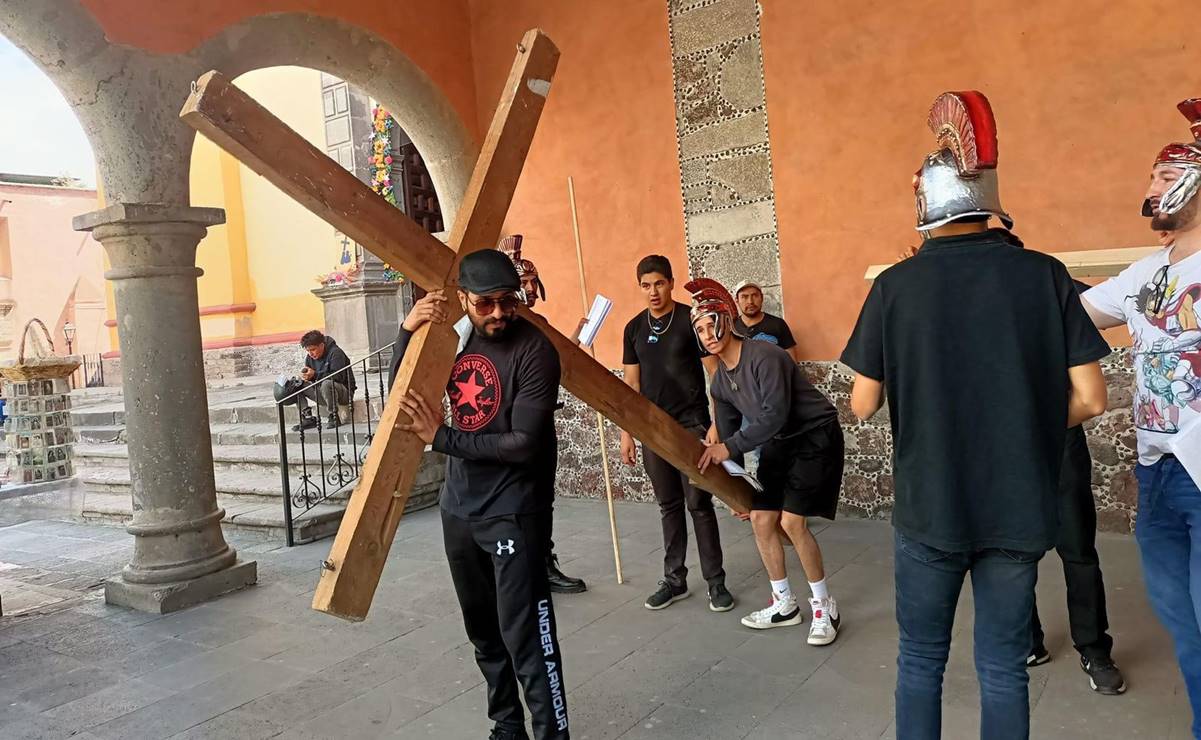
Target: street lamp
(69, 333)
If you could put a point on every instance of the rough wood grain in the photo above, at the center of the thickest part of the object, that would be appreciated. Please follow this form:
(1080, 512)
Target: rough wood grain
(238, 124)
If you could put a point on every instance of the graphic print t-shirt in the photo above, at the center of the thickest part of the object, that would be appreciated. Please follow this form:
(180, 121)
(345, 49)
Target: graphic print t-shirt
(1161, 304)
(772, 329)
(502, 397)
(669, 364)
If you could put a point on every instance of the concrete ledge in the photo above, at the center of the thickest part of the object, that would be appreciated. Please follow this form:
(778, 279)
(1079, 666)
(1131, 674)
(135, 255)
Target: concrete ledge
(163, 598)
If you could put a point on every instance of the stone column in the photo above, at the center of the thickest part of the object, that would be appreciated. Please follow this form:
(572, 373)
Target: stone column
(180, 555)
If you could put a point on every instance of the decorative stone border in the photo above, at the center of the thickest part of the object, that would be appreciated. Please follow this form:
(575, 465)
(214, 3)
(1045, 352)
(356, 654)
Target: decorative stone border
(722, 143)
(867, 486)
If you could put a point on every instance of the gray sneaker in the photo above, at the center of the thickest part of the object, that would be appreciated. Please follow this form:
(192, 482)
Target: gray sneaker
(720, 599)
(666, 596)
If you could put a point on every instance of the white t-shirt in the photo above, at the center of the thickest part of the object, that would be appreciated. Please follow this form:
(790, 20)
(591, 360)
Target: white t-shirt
(1161, 304)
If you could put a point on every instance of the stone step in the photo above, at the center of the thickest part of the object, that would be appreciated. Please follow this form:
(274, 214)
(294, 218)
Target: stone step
(245, 470)
(242, 413)
(242, 434)
(240, 514)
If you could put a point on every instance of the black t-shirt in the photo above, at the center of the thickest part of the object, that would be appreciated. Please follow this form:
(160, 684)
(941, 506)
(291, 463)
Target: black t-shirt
(669, 360)
(502, 397)
(769, 391)
(771, 329)
(973, 338)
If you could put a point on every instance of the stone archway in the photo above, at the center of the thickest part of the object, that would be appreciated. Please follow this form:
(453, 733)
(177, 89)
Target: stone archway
(128, 101)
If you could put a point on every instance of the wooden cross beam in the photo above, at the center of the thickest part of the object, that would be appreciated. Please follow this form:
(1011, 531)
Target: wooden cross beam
(235, 122)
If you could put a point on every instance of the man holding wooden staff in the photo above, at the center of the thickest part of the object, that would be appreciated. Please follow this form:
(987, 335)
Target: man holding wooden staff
(532, 289)
(503, 390)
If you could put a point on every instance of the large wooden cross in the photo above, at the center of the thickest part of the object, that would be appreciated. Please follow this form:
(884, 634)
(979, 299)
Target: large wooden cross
(235, 122)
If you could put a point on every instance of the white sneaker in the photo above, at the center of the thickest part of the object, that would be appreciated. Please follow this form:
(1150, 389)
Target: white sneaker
(779, 614)
(823, 630)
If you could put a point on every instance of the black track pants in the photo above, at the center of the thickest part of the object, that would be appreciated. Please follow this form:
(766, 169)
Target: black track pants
(499, 570)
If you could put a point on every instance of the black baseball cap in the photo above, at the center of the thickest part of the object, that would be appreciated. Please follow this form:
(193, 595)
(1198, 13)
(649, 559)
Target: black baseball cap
(487, 271)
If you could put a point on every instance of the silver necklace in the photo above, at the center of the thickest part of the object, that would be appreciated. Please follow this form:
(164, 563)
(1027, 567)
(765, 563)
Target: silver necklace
(653, 337)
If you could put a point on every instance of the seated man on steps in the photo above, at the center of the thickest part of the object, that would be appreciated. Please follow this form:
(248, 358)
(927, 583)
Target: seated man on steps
(323, 381)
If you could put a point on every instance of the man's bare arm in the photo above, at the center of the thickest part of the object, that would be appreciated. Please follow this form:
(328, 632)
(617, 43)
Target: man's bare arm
(1100, 319)
(1087, 394)
(867, 396)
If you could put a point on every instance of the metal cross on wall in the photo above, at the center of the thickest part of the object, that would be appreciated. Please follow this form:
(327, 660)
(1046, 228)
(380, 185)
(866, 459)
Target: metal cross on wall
(235, 122)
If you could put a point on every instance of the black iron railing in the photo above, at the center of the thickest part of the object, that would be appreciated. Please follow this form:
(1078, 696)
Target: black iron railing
(333, 465)
(90, 373)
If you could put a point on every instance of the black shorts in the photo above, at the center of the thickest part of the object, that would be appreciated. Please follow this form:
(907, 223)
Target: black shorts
(802, 475)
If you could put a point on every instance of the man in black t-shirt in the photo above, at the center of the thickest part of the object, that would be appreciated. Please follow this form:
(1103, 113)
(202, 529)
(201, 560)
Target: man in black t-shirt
(663, 361)
(988, 357)
(755, 323)
(532, 289)
(502, 393)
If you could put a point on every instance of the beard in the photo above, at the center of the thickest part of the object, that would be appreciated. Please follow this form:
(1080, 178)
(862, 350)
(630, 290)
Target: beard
(490, 328)
(1181, 220)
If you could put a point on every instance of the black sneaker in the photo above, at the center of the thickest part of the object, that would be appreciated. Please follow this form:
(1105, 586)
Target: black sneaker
(666, 596)
(560, 583)
(307, 421)
(1038, 656)
(505, 733)
(334, 422)
(1103, 675)
(720, 599)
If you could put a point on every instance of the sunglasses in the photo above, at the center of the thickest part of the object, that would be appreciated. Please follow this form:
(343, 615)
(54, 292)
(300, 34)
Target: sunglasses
(1160, 290)
(486, 306)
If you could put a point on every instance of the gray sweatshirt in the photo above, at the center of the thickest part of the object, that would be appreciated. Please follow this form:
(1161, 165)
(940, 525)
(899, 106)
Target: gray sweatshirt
(768, 390)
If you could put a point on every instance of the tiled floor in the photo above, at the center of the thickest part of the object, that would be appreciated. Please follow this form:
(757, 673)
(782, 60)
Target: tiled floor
(261, 664)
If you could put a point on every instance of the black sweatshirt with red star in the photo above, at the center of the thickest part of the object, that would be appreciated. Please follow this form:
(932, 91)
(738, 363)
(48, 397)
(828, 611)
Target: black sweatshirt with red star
(502, 396)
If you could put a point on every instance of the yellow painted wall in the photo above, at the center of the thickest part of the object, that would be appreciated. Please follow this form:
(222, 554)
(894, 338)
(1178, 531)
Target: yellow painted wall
(270, 249)
(287, 246)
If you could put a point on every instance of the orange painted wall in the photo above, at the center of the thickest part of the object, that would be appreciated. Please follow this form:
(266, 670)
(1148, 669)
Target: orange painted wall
(609, 123)
(1084, 94)
(53, 266)
(432, 34)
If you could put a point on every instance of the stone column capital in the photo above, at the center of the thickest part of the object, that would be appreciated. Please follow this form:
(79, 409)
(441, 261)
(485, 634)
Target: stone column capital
(150, 240)
(129, 214)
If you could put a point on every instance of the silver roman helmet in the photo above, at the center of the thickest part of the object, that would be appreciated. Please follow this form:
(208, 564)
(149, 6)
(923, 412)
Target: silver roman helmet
(960, 179)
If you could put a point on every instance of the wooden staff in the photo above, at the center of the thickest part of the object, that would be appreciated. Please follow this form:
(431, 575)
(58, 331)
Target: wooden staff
(600, 421)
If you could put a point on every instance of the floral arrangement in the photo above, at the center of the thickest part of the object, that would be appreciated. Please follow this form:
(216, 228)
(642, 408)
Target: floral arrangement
(340, 277)
(381, 154)
(392, 275)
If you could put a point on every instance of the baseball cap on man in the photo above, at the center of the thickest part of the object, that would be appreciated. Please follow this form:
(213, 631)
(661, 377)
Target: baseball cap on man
(487, 271)
(747, 284)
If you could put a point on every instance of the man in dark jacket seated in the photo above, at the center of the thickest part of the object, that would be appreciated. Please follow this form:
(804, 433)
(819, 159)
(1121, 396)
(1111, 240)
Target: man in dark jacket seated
(328, 380)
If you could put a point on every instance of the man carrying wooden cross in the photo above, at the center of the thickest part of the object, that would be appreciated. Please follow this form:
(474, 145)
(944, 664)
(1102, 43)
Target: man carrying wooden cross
(503, 390)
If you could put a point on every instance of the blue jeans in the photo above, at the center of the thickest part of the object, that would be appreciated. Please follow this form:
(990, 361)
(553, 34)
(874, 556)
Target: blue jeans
(928, 582)
(1168, 531)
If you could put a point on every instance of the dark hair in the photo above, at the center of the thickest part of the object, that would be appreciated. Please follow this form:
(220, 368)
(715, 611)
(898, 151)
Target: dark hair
(654, 263)
(312, 339)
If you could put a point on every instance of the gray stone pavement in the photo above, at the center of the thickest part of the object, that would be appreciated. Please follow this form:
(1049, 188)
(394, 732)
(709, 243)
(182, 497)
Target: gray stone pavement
(261, 664)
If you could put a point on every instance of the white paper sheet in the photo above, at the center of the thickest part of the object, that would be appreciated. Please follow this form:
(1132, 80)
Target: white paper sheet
(738, 471)
(596, 318)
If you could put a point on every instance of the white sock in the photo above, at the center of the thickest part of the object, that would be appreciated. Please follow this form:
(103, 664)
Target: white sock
(819, 590)
(781, 590)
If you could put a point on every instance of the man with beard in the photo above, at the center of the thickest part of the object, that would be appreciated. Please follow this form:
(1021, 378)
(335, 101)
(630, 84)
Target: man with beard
(1157, 299)
(988, 358)
(761, 400)
(533, 289)
(502, 393)
(755, 323)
